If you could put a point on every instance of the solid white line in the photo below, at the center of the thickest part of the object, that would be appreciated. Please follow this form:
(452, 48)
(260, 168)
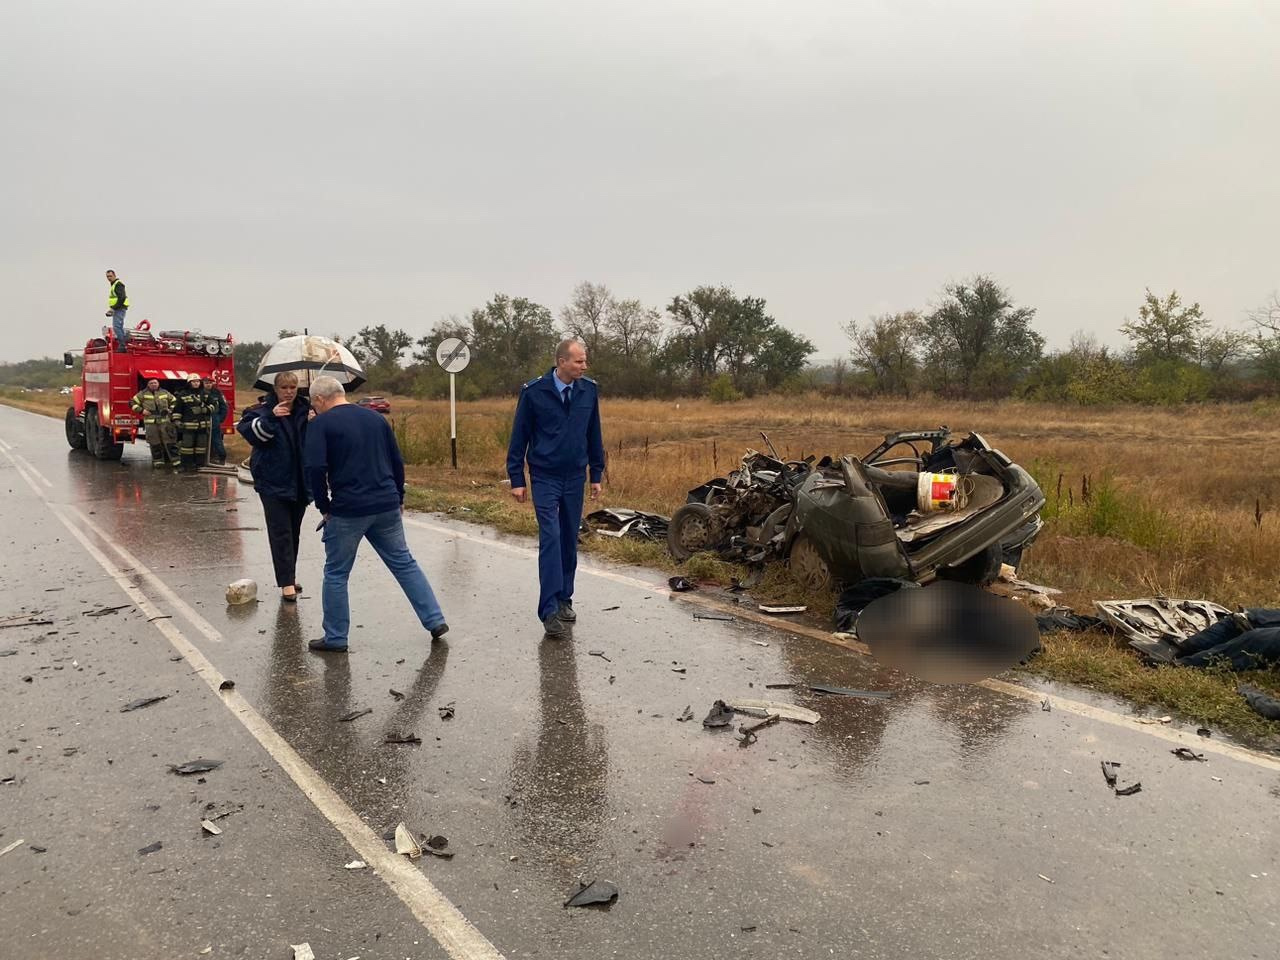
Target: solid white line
(442, 920)
(1066, 705)
(30, 466)
(5, 447)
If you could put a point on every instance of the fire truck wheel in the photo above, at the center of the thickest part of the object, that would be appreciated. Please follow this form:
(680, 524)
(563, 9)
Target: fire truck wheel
(75, 430)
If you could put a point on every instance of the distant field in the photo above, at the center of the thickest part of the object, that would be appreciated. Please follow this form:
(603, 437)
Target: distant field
(1183, 502)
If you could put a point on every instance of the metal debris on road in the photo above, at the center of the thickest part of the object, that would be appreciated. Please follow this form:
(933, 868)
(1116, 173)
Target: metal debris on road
(142, 702)
(713, 616)
(686, 714)
(412, 738)
(600, 654)
(438, 846)
(226, 685)
(396, 694)
(1129, 790)
(106, 610)
(596, 893)
(848, 692)
(1045, 879)
(608, 609)
(763, 708)
(446, 712)
(681, 584)
(195, 766)
(355, 865)
(24, 621)
(151, 848)
(8, 653)
(679, 669)
(765, 608)
(761, 643)
(702, 778)
(13, 846)
(211, 828)
(302, 951)
(405, 844)
(720, 716)
(355, 715)
(1110, 771)
(1185, 753)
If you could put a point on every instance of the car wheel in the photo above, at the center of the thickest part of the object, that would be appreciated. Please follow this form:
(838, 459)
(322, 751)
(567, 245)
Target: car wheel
(693, 528)
(807, 566)
(980, 569)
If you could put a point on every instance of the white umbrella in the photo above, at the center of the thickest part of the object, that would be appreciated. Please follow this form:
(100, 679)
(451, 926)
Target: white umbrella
(309, 357)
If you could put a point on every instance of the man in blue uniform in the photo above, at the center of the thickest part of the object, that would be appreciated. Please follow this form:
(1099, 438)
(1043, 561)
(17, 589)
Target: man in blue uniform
(557, 430)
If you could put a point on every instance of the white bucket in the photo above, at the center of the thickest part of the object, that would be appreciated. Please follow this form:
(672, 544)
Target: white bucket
(942, 491)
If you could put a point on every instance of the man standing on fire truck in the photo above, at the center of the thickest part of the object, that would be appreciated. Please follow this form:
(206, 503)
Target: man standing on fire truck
(193, 409)
(158, 408)
(117, 306)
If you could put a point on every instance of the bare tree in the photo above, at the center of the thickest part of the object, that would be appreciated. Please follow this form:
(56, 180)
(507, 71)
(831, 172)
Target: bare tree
(887, 347)
(585, 316)
(634, 327)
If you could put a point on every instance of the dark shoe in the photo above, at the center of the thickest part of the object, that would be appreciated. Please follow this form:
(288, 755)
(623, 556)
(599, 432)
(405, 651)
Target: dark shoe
(566, 613)
(289, 597)
(319, 646)
(553, 627)
(439, 632)
(297, 587)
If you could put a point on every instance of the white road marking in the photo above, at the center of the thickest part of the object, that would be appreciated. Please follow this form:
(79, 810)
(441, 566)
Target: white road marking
(1067, 705)
(442, 920)
(30, 466)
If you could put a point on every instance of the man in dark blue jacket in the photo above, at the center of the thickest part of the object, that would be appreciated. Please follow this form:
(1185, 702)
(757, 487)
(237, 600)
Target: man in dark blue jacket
(356, 476)
(557, 430)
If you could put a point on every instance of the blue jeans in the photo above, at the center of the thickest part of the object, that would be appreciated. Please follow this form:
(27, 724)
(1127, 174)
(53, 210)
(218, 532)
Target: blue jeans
(385, 533)
(117, 324)
(557, 502)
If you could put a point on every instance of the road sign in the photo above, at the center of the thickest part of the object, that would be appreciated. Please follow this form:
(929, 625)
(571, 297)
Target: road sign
(453, 355)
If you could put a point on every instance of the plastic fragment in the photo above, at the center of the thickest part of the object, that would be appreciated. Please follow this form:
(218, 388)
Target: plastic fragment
(211, 828)
(596, 893)
(355, 715)
(721, 715)
(405, 844)
(354, 865)
(195, 766)
(302, 951)
(142, 702)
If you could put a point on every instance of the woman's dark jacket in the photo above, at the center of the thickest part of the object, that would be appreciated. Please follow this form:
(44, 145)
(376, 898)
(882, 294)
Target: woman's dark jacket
(278, 442)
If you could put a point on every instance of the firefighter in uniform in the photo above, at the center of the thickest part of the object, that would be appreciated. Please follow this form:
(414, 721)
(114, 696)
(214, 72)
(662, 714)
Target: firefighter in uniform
(193, 410)
(117, 307)
(157, 408)
(217, 413)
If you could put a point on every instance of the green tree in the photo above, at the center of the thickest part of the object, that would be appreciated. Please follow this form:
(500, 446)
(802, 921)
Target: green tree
(379, 348)
(887, 349)
(1166, 330)
(245, 360)
(1266, 338)
(977, 342)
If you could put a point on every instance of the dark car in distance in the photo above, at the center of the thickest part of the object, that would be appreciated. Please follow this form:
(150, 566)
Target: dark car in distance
(378, 404)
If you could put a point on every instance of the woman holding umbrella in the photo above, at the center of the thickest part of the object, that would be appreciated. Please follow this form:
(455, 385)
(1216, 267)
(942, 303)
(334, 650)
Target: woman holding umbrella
(276, 430)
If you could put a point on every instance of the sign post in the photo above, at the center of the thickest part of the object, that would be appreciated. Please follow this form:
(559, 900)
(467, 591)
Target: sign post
(453, 356)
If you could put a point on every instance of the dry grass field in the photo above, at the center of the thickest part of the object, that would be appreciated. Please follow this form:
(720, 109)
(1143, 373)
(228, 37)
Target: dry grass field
(1181, 501)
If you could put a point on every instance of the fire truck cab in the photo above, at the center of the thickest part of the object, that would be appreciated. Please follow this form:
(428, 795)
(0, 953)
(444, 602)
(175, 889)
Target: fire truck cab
(100, 418)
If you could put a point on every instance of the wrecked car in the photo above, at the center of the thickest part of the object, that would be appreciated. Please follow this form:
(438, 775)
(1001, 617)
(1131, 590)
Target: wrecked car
(919, 506)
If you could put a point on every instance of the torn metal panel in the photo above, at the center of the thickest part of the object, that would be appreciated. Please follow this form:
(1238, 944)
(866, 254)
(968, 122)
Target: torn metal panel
(1157, 627)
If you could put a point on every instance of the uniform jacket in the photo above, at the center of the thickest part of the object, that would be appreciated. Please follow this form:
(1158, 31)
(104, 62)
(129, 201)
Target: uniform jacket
(276, 461)
(217, 403)
(553, 441)
(154, 406)
(193, 409)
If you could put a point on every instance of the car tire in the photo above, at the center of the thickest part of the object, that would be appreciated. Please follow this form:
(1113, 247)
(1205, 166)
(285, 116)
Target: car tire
(807, 566)
(693, 528)
(981, 569)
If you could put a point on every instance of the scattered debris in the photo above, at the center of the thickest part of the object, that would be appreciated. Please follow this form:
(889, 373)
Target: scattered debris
(211, 828)
(686, 714)
(1045, 879)
(596, 893)
(1204, 732)
(621, 522)
(748, 731)
(720, 716)
(1151, 720)
(393, 737)
(8, 653)
(302, 951)
(103, 611)
(355, 865)
(151, 848)
(195, 766)
(608, 609)
(405, 844)
(143, 702)
(761, 643)
(600, 654)
(1185, 753)
(36, 848)
(1216, 779)
(446, 712)
(1046, 706)
(702, 778)
(13, 846)
(763, 708)
(712, 616)
(1066, 620)
(681, 584)
(679, 669)
(226, 685)
(355, 715)
(24, 622)
(1129, 790)
(779, 686)
(438, 846)
(847, 692)
(1110, 772)
(242, 591)
(1157, 626)
(765, 608)
(395, 694)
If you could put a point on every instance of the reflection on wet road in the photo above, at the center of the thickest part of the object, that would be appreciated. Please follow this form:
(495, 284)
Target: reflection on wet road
(921, 825)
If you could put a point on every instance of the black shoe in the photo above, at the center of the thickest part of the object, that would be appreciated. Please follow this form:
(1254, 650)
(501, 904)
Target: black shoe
(438, 632)
(319, 646)
(553, 627)
(566, 613)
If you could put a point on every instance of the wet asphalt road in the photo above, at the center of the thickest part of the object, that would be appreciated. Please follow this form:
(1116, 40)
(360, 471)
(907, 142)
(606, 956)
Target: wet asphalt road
(920, 826)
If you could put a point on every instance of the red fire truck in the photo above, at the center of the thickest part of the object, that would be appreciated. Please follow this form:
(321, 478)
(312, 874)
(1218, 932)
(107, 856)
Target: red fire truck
(100, 419)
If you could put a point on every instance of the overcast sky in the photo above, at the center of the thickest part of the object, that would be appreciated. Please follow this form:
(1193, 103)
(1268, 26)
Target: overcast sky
(257, 164)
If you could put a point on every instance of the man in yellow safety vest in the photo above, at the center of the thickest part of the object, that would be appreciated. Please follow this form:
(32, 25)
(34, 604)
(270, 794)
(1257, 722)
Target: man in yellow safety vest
(117, 306)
